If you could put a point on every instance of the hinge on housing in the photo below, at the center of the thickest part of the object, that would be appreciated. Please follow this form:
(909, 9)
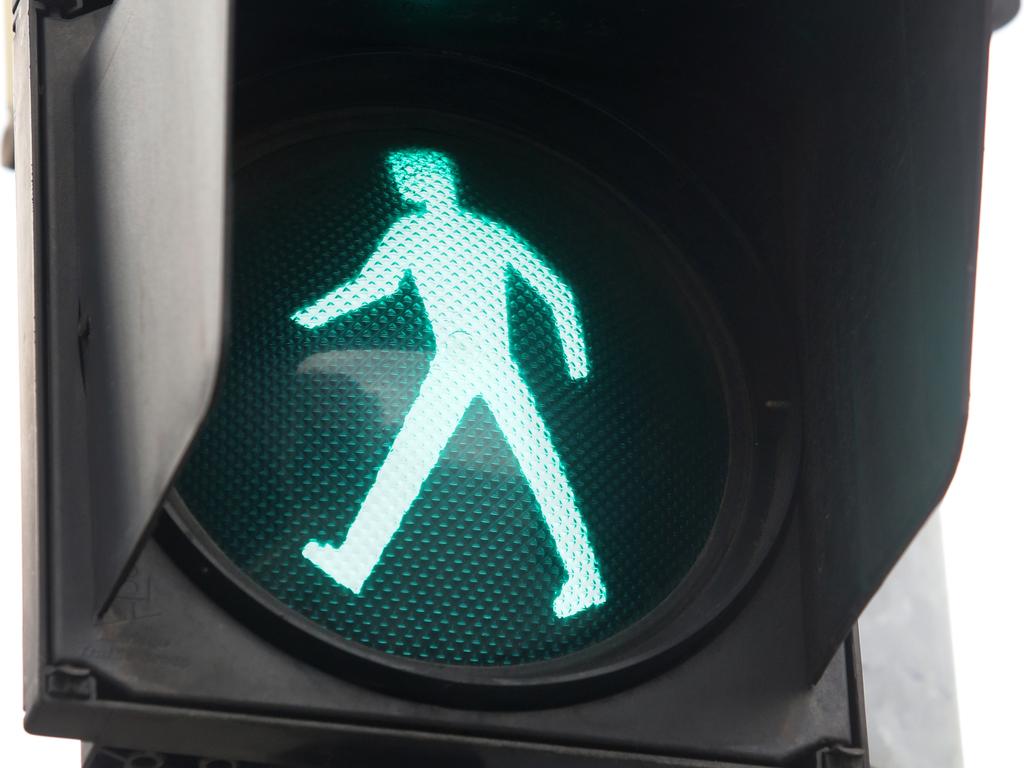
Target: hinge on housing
(67, 681)
(841, 757)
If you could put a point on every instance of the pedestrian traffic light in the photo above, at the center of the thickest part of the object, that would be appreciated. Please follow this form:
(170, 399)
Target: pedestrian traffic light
(483, 383)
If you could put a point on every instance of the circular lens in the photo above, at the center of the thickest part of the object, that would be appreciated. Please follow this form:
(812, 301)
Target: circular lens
(468, 414)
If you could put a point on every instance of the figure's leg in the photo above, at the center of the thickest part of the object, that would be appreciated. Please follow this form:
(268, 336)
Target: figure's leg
(436, 412)
(514, 410)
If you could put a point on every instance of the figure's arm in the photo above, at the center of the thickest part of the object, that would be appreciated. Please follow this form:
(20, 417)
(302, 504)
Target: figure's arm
(558, 296)
(379, 277)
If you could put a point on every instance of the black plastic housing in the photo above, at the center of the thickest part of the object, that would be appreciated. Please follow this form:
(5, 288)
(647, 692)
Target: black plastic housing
(841, 146)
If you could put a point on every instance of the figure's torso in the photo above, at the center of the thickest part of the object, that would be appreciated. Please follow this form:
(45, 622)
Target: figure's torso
(459, 263)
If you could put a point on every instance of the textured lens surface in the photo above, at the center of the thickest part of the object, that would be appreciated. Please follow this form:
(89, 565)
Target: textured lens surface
(465, 416)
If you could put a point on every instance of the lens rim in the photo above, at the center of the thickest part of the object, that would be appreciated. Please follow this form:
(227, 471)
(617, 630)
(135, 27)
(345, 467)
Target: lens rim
(755, 367)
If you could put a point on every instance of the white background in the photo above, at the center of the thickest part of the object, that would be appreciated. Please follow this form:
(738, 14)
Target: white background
(982, 514)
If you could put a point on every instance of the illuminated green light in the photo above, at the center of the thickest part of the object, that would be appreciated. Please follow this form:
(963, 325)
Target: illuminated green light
(305, 419)
(459, 262)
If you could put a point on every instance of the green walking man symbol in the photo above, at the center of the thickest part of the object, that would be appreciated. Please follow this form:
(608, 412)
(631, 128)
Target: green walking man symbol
(459, 262)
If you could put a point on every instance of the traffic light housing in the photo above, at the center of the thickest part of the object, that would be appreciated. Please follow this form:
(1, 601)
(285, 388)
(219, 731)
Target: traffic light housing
(760, 223)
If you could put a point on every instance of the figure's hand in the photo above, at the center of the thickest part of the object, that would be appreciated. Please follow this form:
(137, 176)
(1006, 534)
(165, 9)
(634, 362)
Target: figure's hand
(578, 368)
(313, 317)
(379, 277)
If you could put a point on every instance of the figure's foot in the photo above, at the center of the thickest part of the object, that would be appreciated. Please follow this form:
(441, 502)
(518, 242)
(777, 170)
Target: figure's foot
(333, 562)
(580, 592)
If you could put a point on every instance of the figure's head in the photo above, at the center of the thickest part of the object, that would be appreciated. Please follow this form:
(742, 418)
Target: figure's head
(423, 176)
